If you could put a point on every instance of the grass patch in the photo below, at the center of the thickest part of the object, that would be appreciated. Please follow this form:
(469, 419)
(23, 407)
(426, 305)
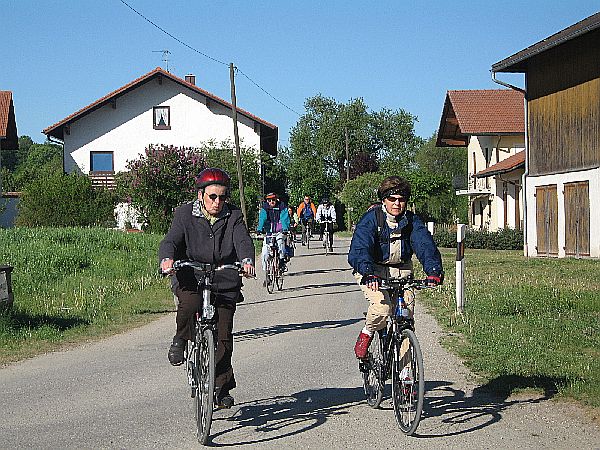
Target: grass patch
(73, 284)
(528, 323)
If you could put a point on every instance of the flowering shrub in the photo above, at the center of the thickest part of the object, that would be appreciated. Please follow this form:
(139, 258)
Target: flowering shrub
(159, 181)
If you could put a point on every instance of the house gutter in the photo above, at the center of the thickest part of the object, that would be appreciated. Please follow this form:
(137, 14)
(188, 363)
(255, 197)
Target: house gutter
(62, 144)
(526, 173)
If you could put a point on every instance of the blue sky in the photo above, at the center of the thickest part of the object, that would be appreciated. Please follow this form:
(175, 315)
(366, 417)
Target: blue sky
(59, 55)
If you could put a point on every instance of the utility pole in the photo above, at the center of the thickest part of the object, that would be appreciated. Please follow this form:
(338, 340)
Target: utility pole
(347, 157)
(238, 156)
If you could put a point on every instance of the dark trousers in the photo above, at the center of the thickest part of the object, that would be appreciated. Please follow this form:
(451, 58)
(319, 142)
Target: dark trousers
(329, 226)
(189, 302)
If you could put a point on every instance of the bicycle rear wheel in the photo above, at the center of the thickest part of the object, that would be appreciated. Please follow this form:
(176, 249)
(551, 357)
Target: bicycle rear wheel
(270, 276)
(204, 399)
(373, 377)
(408, 382)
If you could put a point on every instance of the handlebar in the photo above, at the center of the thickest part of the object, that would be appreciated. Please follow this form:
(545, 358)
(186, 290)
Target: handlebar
(205, 267)
(403, 283)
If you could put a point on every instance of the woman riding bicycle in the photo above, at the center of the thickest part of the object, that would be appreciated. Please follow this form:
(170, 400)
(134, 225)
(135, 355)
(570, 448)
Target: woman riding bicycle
(208, 230)
(326, 218)
(275, 219)
(306, 214)
(382, 247)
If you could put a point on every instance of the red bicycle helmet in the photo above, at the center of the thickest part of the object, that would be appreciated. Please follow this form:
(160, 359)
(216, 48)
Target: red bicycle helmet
(212, 176)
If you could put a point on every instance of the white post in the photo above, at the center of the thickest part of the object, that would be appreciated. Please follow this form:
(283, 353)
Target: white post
(460, 268)
(430, 227)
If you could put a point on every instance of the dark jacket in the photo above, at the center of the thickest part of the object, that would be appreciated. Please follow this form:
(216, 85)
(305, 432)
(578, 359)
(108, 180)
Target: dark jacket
(192, 237)
(370, 247)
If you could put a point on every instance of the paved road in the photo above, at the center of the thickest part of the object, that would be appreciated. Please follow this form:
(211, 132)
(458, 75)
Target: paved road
(298, 385)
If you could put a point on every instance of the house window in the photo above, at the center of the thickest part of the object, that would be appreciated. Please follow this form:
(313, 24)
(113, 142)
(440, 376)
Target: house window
(102, 162)
(162, 117)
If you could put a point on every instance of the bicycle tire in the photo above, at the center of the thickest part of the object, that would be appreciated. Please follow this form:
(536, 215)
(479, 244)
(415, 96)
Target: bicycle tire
(408, 398)
(279, 281)
(270, 276)
(373, 381)
(205, 397)
(326, 243)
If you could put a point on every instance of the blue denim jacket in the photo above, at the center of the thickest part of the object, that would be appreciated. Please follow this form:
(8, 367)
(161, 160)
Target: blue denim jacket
(370, 247)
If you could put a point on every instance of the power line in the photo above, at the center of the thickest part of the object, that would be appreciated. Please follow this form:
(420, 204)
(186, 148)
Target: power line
(169, 34)
(207, 56)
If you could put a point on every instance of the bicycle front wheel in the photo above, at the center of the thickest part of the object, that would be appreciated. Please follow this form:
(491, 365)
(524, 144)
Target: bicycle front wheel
(270, 276)
(408, 382)
(373, 377)
(204, 399)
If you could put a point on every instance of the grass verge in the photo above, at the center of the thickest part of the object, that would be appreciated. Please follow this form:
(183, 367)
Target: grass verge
(75, 284)
(528, 323)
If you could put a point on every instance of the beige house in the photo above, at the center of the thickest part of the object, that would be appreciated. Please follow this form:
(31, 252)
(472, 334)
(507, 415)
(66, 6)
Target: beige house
(490, 123)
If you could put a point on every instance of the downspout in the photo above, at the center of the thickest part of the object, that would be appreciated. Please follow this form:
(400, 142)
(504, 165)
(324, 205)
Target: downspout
(526, 174)
(62, 144)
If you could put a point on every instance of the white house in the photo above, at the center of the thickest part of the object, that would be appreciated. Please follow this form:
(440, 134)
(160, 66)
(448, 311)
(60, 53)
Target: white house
(157, 108)
(490, 123)
(562, 164)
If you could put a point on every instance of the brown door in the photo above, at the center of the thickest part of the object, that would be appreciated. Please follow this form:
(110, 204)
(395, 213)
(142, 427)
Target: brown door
(547, 220)
(577, 219)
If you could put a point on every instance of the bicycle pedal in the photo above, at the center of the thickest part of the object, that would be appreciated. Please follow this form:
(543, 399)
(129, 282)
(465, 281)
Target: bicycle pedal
(364, 366)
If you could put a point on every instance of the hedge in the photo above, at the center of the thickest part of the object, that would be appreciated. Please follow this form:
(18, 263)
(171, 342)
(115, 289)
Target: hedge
(503, 239)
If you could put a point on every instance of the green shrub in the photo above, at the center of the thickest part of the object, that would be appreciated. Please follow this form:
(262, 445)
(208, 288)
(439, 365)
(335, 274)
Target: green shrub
(503, 239)
(61, 200)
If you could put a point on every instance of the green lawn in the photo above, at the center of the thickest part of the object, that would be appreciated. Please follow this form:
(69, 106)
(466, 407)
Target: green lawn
(75, 284)
(528, 323)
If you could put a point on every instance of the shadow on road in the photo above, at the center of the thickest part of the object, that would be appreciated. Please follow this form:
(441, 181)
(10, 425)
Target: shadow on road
(461, 414)
(280, 299)
(317, 286)
(312, 272)
(258, 333)
(283, 416)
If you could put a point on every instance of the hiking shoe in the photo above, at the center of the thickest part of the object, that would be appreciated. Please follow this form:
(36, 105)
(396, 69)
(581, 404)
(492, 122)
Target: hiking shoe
(362, 345)
(225, 402)
(176, 352)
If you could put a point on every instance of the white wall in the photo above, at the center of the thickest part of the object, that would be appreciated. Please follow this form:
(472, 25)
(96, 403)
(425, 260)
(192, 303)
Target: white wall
(593, 177)
(128, 129)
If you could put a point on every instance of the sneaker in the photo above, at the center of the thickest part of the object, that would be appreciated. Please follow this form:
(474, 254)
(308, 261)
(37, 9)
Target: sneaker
(176, 352)
(330, 249)
(362, 345)
(282, 266)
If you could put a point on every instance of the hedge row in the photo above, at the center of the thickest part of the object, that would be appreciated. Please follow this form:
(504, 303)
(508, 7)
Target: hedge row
(503, 239)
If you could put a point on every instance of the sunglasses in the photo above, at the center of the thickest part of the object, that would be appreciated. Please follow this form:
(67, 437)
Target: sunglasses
(394, 199)
(213, 197)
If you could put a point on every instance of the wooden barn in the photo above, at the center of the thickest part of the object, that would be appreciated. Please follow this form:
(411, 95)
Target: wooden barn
(562, 164)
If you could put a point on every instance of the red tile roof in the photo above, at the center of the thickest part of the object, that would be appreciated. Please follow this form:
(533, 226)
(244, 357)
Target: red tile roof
(8, 125)
(5, 101)
(56, 130)
(480, 112)
(511, 163)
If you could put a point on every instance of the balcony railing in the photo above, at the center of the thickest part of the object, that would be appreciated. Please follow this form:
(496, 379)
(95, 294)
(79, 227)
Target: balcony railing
(103, 180)
(471, 186)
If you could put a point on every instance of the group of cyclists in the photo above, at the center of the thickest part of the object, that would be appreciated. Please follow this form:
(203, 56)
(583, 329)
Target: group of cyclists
(211, 230)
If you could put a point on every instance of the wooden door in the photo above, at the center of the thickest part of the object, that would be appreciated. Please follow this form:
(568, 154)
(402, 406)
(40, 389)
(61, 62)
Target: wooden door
(547, 220)
(577, 219)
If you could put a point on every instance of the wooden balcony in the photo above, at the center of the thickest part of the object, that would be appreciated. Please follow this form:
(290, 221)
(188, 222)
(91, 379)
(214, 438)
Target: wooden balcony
(103, 180)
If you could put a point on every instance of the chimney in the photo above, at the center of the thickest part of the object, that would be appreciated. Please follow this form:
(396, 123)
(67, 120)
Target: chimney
(191, 79)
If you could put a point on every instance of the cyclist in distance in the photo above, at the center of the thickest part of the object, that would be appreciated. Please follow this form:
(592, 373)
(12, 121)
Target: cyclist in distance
(275, 219)
(306, 213)
(208, 230)
(382, 246)
(326, 218)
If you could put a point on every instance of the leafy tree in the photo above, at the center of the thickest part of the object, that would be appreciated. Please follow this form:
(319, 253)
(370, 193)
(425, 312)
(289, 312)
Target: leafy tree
(40, 161)
(159, 181)
(60, 200)
(358, 194)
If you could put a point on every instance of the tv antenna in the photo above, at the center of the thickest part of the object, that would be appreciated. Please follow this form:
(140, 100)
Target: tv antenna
(165, 57)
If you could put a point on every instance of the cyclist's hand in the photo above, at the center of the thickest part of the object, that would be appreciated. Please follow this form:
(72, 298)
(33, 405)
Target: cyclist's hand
(166, 266)
(434, 280)
(371, 281)
(249, 271)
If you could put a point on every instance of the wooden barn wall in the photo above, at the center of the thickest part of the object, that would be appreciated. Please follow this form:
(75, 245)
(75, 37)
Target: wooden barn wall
(563, 91)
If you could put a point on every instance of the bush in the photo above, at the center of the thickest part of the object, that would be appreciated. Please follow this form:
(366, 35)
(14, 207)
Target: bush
(503, 239)
(62, 200)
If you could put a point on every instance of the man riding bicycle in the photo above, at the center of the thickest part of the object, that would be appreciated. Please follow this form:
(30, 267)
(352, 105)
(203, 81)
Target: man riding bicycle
(326, 218)
(306, 214)
(274, 219)
(382, 246)
(208, 230)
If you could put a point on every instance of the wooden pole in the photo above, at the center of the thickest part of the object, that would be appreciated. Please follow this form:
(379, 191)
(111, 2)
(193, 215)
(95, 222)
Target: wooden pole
(460, 268)
(236, 136)
(347, 157)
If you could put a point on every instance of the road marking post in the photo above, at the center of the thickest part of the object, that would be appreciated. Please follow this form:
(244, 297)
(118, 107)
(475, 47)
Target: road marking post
(430, 226)
(460, 268)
